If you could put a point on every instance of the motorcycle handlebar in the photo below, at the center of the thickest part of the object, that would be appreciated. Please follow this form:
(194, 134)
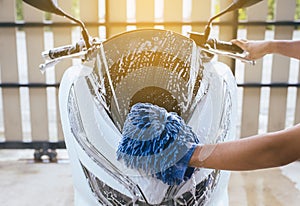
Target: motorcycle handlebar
(200, 40)
(63, 51)
(224, 46)
(197, 37)
(211, 45)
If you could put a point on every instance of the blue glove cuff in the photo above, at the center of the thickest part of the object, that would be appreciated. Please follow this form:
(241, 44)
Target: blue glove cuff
(179, 172)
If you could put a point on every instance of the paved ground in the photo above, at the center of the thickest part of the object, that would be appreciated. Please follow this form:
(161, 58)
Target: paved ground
(25, 183)
(271, 187)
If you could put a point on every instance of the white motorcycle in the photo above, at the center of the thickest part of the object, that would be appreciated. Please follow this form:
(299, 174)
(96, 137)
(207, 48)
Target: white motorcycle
(146, 65)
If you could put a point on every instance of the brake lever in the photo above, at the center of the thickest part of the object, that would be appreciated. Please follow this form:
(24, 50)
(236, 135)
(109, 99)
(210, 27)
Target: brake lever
(53, 62)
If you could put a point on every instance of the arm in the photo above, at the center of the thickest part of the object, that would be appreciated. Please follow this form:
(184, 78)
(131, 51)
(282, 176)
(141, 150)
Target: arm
(256, 152)
(257, 49)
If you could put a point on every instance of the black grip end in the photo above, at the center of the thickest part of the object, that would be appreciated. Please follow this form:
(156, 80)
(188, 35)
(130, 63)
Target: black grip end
(228, 46)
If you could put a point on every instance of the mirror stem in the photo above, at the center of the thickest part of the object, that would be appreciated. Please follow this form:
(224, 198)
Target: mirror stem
(208, 27)
(84, 32)
(207, 32)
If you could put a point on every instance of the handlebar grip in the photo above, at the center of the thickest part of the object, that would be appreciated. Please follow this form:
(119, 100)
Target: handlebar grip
(225, 46)
(228, 46)
(63, 51)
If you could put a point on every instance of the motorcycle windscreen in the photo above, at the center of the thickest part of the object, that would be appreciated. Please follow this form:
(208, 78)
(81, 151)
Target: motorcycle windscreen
(155, 66)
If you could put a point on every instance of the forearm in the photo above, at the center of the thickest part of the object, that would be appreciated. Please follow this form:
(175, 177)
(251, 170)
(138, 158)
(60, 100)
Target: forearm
(289, 48)
(237, 155)
(245, 154)
(257, 152)
(258, 49)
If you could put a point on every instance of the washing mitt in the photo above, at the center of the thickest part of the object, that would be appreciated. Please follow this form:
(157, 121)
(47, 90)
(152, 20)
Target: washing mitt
(158, 143)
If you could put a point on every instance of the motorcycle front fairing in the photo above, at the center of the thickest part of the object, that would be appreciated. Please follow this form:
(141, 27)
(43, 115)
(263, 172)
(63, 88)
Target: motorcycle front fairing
(156, 66)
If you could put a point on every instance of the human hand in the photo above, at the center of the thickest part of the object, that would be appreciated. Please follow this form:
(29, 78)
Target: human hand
(157, 142)
(254, 49)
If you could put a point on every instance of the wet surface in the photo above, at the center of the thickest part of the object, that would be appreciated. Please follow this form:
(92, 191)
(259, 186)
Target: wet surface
(26, 183)
(274, 187)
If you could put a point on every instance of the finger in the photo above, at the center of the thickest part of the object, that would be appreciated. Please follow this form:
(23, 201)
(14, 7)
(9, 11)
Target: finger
(241, 43)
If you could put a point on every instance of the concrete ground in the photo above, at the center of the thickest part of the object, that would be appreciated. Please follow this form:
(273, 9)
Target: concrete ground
(269, 187)
(26, 183)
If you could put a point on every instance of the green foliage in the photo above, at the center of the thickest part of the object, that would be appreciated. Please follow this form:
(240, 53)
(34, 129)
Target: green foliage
(271, 10)
(75, 8)
(242, 14)
(48, 16)
(297, 12)
(19, 10)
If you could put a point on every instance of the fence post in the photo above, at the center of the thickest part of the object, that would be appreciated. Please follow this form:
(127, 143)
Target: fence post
(297, 109)
(61, 36)
(173, 13)
(89, 13)
(145, 11)
(9, 74)
(228, 32)
(253, 74)
(115, 12)
(37, 96)
(201, 11)
(285, 11)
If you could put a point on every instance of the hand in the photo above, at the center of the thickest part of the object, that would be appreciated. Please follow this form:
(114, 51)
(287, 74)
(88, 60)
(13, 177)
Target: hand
(254, 49)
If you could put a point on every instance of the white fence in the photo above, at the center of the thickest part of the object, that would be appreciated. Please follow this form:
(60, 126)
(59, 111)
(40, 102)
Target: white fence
(28, 99)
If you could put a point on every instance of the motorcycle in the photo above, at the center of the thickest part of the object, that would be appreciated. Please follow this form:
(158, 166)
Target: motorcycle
(156, 66)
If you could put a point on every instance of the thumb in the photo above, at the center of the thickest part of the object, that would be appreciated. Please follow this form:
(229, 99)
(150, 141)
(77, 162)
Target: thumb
(240, 43)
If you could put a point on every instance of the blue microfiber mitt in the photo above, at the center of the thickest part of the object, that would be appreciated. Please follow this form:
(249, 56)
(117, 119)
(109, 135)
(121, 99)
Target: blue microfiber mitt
(157, 142)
